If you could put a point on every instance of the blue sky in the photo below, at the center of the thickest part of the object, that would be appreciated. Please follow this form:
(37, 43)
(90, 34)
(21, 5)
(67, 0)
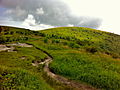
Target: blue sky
(2, 11)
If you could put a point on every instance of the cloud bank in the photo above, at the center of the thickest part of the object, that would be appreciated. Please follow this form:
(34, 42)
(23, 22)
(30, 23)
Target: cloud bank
(30, 22)
(45, 13)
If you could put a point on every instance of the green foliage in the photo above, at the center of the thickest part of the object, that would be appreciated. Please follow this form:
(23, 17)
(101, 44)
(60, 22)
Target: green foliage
(81, 54)
(45, 40)
(73, 45)
(9, 34)
(18, 73)
(92, 50)
(3, 39)
(101, 72)
(20, 79)
(55, 41)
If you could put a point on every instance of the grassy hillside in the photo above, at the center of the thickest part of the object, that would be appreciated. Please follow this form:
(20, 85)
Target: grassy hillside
(81, 54)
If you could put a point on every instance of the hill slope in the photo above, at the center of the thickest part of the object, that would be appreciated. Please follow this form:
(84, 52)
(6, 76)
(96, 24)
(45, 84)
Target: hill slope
(81, 54)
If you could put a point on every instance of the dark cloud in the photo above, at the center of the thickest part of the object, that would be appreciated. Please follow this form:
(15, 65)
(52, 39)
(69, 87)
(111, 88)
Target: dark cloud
(50, 12)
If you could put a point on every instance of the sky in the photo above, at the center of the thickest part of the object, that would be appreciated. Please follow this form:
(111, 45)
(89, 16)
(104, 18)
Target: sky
(42, 14)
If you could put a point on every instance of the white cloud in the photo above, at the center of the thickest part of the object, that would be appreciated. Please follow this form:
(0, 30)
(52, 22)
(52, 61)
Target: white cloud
(107, 10)
(40, 11)
(51, 12)
(30, 23)
(41, 27)
(70, 25)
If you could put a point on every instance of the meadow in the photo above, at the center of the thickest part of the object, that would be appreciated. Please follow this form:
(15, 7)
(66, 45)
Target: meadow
(81, 54)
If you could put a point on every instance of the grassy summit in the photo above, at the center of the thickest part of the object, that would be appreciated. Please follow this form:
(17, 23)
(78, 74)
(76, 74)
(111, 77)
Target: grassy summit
(81, 54)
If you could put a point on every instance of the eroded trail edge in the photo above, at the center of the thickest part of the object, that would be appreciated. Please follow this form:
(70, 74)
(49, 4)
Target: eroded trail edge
(46, 62)
(61, 79)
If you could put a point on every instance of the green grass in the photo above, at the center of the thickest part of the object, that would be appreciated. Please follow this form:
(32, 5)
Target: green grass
(21, 79)
(99, 71)
(81, 54)
(14, 59)
(17, 73)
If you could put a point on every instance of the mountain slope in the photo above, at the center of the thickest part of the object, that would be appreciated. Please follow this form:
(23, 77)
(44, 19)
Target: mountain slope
(85, 55)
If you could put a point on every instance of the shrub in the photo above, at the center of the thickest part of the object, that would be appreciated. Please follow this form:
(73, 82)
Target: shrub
(71, 45)
(45, 40)
(115, 56)
(92, 50)
(76, 46)
(55, 41)
(3, 39)
(65, 43)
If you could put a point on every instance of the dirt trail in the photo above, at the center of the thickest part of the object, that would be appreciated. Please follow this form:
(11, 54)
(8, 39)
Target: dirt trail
(11, 47)
(47, 61)
(5, 48)
(63, 80)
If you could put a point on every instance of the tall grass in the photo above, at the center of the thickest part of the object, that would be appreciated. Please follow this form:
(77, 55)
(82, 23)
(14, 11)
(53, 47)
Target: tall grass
(21, 79)
(82, 54)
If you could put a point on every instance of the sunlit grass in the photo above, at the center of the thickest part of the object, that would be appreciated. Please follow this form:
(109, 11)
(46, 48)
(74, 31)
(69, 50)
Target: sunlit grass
(81, 54)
